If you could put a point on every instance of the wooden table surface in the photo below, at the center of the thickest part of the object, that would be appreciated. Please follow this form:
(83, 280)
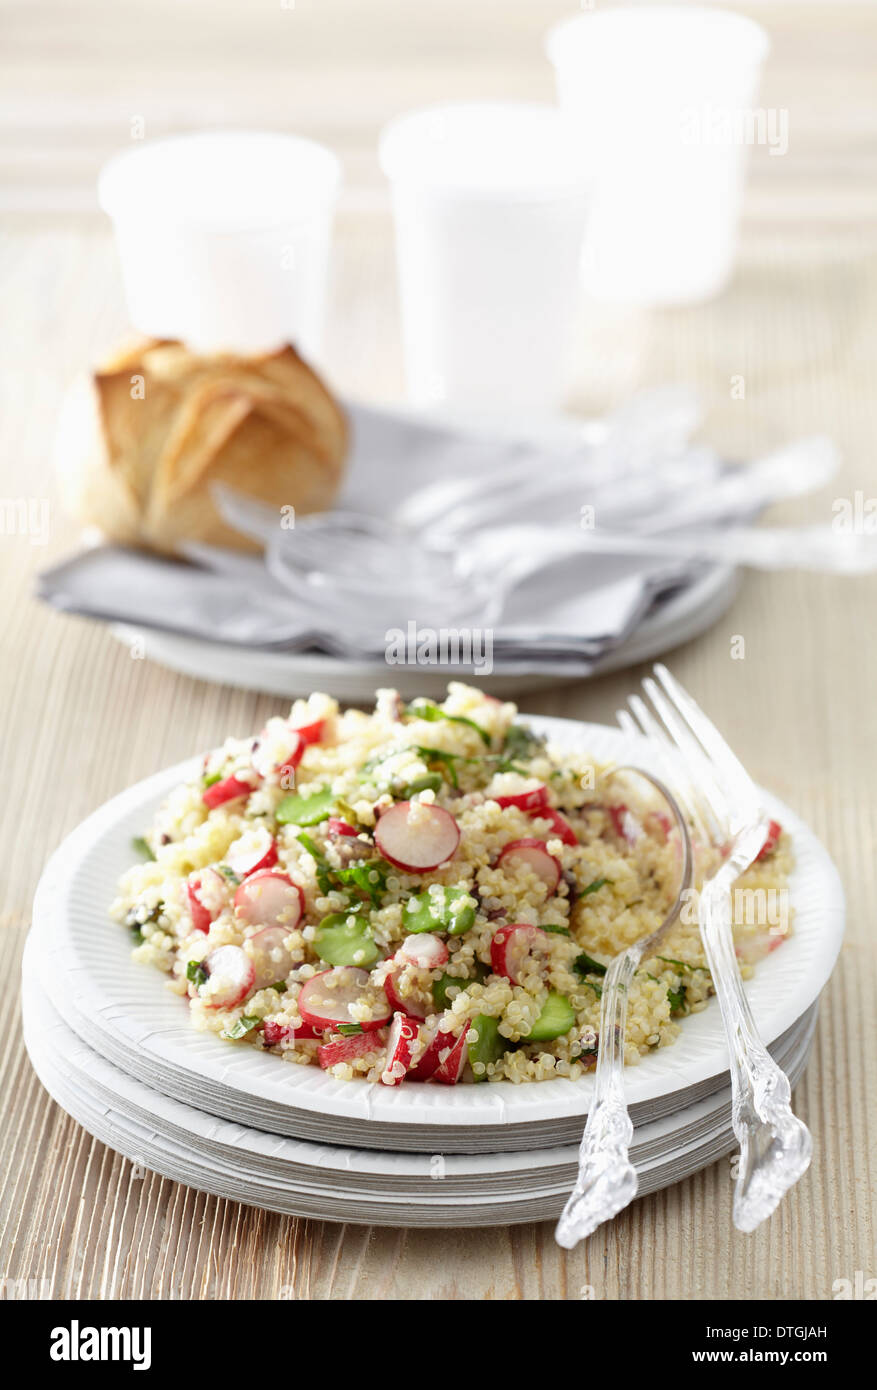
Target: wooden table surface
(82, 719)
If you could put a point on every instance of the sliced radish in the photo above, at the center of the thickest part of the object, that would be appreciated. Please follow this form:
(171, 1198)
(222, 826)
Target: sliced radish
(230, 977)
(535, 856)
(326, 998)
(267, 950)
(774, 831)
(414, 1005)
(269, 899)
(424, 948)
(532, 795)
(346, 1049)
(512, 946)
(416, 836)
(437, 1042)
(560, 826)
(311, 733)
(400, 1049)
(229, 789)
(279, 750)
(452, 1060)
(659, 825)
(254, 850)
(207, 894)
(276, 1033)
(625, 824)
(340, 827)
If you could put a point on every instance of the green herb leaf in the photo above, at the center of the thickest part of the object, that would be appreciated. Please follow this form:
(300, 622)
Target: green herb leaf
(556, 929)
(348, 1030)
(228, 874)
(196, 974)
(209, 781)
(594, 886)
(140, 845)
(586, 965)
(428, 710)
(241, 1027)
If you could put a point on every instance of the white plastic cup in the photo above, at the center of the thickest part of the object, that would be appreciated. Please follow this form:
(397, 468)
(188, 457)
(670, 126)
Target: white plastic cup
(224, 238)
(489, 210)
(659, 95)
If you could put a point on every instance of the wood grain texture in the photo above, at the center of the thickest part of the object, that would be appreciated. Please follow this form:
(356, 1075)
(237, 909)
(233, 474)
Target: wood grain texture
(82, 719)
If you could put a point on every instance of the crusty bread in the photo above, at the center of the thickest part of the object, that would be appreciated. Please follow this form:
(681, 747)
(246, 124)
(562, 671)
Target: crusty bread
(144, 438)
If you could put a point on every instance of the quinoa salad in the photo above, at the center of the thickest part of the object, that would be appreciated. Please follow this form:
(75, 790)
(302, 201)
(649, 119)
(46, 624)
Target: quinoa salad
(426, 893)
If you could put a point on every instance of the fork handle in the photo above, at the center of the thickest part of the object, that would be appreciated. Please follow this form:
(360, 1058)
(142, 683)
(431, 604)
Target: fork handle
(607, 1180)
(775, 1146)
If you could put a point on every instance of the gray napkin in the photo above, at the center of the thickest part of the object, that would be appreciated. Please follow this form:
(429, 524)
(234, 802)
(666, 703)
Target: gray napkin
(571, 613)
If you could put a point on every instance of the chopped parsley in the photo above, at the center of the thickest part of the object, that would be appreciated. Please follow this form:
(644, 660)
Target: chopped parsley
(196, 974)
(586, 965)
(431, 712)
(139, 844)
(594, 886)
(241, 1027)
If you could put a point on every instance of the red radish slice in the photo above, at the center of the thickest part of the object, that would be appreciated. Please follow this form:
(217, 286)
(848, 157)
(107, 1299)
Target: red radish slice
(207, 893)
(774, 831)
(511, 947)
(530, 798)
(437, 1042)
(269, 899)
(339, 827)
(272, 962)
(452, 1060)
(229, 789)
(424, 949)
(230, 977)
(625, 824)
(400, 1049)
(326, 998)
(276, 754)
(535, 856)
(416, 836)
(409, 1004)
(276, 1033)
(312, 733)
(254, 850)
(560, 826)
(657, 824)
(346, 1049)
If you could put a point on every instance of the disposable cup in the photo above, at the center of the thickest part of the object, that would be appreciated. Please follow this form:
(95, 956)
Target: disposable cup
(489, 207)
(224, 238)
(661, 99)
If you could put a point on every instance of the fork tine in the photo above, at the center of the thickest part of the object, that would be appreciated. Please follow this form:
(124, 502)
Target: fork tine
(704, 784)
(685, 789)
(723, 758)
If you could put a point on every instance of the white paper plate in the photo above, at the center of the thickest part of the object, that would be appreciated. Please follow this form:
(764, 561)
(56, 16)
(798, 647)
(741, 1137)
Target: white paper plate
(343, 1184)
(121, 1010)
(682, 617)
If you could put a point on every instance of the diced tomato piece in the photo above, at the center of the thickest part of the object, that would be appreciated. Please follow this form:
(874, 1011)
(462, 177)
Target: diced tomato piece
(346, 1049)
(774, 831)
(229, 789)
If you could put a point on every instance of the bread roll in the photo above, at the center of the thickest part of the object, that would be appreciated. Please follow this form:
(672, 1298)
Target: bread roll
(143, 439)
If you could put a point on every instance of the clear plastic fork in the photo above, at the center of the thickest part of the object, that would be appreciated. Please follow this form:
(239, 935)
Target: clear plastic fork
(725, 808)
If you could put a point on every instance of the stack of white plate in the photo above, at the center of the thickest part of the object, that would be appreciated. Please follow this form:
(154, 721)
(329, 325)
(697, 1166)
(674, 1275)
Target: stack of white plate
(115, 1049)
